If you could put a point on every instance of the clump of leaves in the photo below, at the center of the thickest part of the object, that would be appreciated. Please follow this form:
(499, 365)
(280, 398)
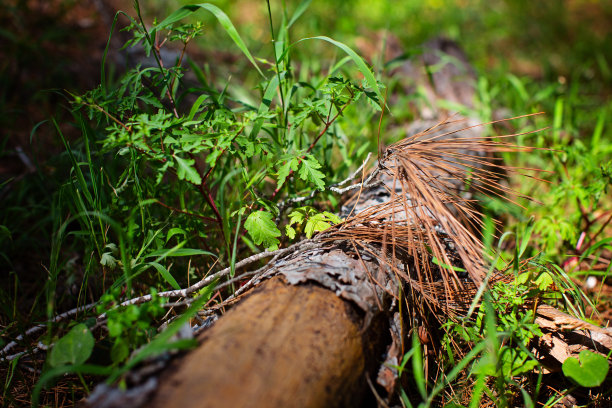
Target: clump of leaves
(588, 370)
(130, 325)
(310, 220)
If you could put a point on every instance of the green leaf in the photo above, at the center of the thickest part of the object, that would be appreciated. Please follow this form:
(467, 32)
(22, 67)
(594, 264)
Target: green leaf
(196, 106)
(316, 223)
(175, 231)
(523, 278)
(108, 260)
(285, 169)
(516, 362)
(290, 231)
(166, 275)
(301, 8)
(163, 341)
(590, 371)
(262, 229)
(120, 351)
(115, 328)
(544, 281)
(186, 171)
(298, 215)
(164, 253)
(74, 348)
(486, 365)
(223, 19)
(332, 217)
(309, 172)
(264, 106)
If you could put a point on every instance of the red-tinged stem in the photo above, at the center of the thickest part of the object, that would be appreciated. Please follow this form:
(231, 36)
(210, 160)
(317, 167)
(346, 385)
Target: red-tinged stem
(222, 153)
(111, 117)
(202, 217)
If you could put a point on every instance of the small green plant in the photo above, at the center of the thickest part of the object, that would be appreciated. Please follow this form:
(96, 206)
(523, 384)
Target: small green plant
(588, 370)
(311, 220)
(130, 325)
(74, 348)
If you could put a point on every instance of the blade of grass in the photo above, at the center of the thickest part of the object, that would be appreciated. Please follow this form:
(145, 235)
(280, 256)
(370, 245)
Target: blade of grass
(361, 65)
(223, 19)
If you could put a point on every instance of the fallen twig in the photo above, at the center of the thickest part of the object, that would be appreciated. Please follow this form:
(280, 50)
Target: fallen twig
(137, 300)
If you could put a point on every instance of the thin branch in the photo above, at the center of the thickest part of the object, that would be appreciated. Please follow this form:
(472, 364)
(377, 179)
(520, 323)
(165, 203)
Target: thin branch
(40, 327)
(142, 299)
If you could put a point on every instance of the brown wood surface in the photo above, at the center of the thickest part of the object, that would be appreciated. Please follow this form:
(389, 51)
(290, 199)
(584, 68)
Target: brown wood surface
(283, 346)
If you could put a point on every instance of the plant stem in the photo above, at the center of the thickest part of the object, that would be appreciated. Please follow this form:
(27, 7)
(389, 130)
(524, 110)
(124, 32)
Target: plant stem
(280, 84)
(312, 145)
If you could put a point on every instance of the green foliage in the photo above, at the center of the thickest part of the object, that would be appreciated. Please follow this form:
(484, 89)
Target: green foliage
(310, 220)
(168, 167)
(588, 370)
(130, 326)
(74, 348)
(262, 229)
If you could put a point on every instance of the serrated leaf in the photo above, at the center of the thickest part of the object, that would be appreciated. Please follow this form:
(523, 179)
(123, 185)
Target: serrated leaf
(298, 215)
(74, 348)
(590, 371)
(523, 278)
(309, 172)
(316, 223)
(262, 229)
(108, 260)
(290, 231)
(112, 247)
(186, 171)
(284, 170)
(544, 281)
(332, 217)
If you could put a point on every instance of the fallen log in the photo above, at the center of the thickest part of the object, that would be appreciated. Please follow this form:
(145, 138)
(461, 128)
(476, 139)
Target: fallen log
(282, 346)
(323, 326)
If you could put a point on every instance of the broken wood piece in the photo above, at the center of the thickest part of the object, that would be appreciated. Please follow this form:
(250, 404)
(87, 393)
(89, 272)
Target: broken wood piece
(566, 336)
